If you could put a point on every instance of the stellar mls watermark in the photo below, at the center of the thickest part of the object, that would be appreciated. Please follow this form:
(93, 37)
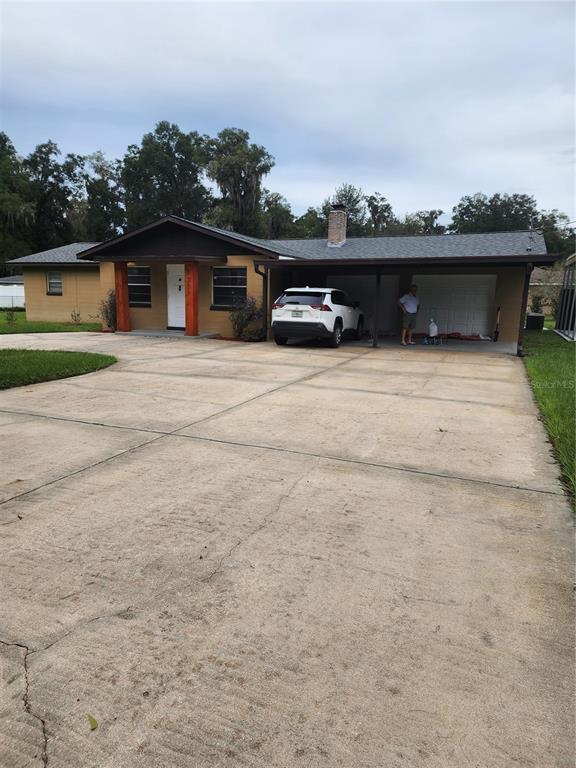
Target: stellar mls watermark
(557, 384)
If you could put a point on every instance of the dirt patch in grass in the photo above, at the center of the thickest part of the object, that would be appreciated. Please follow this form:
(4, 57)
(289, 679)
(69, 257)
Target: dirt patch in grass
(28, 366)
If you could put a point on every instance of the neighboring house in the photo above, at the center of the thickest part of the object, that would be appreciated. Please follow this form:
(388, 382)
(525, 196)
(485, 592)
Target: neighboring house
(545, 285)
(175, 273)
(12, 291)
(566, 317)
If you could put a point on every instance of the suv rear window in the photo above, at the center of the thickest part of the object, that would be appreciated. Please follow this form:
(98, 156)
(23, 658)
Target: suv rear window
(301, 298)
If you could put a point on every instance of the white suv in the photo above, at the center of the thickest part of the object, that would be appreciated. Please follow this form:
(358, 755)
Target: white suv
(315, 313)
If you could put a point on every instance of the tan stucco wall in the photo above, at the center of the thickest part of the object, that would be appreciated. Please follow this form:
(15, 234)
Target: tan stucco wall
(80, 293)
(83, 288)
(217, 320)
(156, 316)
(509, 292)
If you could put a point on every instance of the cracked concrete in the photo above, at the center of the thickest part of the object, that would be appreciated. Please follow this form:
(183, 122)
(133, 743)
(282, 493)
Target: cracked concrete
(234, 554)
(25, 653)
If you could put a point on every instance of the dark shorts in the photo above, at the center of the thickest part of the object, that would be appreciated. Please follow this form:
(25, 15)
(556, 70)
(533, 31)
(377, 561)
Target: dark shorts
(409, 320)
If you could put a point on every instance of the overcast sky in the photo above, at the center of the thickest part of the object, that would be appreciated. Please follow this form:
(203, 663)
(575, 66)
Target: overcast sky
(423, 102)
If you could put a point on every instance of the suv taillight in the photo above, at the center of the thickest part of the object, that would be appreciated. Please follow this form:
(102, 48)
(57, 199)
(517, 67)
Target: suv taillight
(321, 307)
(277, 306)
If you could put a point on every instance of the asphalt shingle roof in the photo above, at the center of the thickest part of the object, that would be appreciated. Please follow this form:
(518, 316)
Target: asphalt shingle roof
(473, 246)
(477, 245)
(394, 248)
(12, 280)
(65, 254)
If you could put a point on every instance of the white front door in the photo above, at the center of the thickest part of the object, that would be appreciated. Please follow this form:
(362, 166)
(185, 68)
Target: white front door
(175, 294)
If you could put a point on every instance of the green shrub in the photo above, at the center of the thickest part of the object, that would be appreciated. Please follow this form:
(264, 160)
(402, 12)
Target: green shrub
(245, 319)
(10, 316)
(108, 310)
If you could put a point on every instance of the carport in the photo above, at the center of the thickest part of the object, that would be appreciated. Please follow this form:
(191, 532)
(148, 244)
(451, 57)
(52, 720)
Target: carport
(471, 285)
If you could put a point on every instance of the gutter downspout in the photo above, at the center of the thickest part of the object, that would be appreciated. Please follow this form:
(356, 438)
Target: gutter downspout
(520, 346)
(264, 276)
(375, 318)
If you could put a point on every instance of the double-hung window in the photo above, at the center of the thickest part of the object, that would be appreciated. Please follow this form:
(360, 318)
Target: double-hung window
(54, 283)
(228, 287)
(139, 287)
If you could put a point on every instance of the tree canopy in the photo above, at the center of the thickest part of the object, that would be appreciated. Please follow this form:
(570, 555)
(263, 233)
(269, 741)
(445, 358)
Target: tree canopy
(164, 175)
(47, 199)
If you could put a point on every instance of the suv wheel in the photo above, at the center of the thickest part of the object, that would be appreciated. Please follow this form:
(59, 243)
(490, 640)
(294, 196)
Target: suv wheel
(336, 334)
(280, 340)
(360, 328)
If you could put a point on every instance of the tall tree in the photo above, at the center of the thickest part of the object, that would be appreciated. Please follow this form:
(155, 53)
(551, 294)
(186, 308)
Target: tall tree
(380, 212)
(355, 201)
(506, 213)
(311, 224)
(276, 215)
(54, 188)
(16, 206)
(498, 213)
(105, 213)
(422, 223)
(164, 175)
(238, 167)
(558, 233)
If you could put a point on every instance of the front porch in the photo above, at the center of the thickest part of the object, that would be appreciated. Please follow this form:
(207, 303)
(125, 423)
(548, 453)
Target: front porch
(170, 290)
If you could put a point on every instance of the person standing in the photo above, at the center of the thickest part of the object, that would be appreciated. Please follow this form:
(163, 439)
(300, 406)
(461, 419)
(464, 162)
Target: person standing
(409, 304)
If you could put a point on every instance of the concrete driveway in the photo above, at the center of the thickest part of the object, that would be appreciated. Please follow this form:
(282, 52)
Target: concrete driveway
(242, 555)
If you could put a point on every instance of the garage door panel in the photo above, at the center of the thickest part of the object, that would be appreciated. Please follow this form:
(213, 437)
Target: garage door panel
(458, 303)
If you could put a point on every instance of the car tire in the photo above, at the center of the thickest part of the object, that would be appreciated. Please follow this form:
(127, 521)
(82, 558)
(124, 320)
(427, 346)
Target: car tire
(281, 340)
(359, 328)
(336, 334)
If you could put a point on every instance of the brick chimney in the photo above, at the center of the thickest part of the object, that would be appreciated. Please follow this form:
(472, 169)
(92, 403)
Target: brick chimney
(337, 225)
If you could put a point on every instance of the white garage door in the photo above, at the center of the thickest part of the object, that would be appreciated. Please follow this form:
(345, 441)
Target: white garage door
(458, 303)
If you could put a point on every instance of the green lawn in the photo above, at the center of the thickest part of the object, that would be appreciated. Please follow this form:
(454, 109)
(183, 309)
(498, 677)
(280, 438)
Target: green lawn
(29, 366)
(551, 362)
(21, 325)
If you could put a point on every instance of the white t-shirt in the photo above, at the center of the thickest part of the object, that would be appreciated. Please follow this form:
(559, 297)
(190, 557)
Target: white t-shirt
(410, 303)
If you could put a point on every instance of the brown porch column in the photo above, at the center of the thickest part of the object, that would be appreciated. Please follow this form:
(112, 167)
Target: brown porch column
(122, 306)
(191, 298)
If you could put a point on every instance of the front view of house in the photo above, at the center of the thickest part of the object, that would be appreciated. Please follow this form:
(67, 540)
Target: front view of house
(180, 275)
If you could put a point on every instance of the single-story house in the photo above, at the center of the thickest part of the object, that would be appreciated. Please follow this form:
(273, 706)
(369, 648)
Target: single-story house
(12, 292)
(178, 274)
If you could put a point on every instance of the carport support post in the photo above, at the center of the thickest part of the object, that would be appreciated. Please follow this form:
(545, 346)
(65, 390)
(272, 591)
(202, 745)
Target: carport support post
(520, 347)
(191, 298)
(122, 305)
(264, 276)
(375, 312)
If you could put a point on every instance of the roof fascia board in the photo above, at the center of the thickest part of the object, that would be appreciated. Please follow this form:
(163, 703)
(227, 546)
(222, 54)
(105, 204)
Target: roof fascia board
(408, 261)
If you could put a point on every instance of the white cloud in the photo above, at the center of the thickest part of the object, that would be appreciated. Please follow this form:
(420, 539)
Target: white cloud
(422, 101)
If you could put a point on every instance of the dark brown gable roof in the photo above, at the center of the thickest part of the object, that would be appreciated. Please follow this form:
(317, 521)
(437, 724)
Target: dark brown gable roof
(172, 237)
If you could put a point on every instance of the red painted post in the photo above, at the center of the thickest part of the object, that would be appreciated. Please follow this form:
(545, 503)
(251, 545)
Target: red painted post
(122, 306)
(191, 298)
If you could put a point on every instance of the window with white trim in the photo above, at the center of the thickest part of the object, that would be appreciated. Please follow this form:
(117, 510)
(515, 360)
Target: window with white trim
(139, 287)
(54, 283)
(229, 286)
